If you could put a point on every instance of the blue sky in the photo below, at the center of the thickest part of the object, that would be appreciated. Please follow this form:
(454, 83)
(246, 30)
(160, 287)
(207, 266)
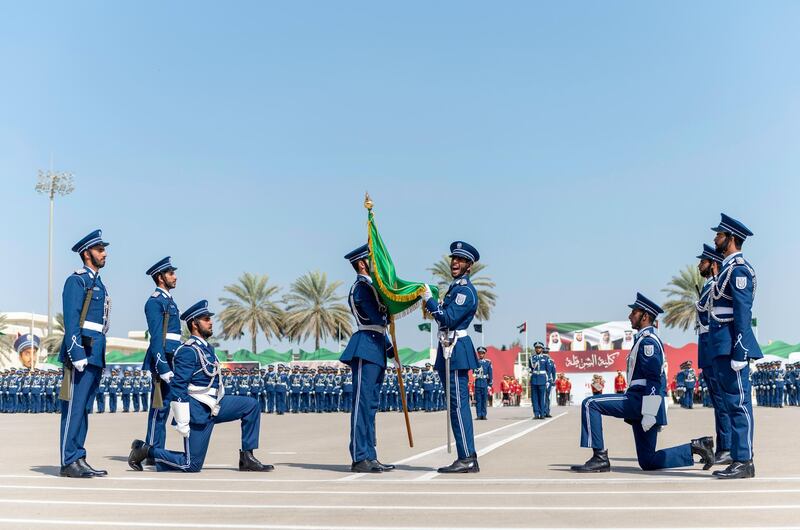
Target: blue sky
(584, 148)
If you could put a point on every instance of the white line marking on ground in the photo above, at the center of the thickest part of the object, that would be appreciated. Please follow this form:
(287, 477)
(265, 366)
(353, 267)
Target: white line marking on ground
(384, 507)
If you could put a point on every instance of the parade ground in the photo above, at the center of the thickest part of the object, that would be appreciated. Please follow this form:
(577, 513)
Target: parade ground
(524, 479)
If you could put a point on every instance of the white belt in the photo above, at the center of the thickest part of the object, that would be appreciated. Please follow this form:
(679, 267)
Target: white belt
(539, 372)
(719, 311)
(174, 336)
(702, 329)
(638, 382)
(94, 326)
(377, 329)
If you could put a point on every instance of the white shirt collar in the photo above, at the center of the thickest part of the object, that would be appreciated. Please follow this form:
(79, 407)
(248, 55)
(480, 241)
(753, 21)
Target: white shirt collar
(164, 291)
(369, 279)
(200, 340)
(90, 271)
(731, 257)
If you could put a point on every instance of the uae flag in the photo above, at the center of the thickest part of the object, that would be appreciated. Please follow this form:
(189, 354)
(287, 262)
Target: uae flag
(523, 327)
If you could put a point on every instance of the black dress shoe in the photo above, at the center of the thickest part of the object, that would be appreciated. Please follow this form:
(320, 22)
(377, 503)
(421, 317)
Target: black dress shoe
(548, 416)
(599, 463)
(723, 458)
(462, 465)
(96, 472)
(737, 470)
(248, 462)
(149, 461)
(137, 455)
(704, 448)
(75, 470)
(366, 466)
(384, 467)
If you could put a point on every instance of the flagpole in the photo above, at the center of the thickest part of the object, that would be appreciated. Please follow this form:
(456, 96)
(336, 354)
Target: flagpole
(526, 337)
(483, 342)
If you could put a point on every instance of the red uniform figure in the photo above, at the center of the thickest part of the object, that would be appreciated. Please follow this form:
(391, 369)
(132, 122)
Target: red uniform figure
(619, 383)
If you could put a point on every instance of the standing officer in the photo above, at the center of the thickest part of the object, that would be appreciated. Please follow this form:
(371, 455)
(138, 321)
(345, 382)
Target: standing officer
(454, 315)
(199, 403)
(483, 381)
(295, 384)
(551, 381)
(733, 342)
(113, 390)
(690, 379)
(366, 354)
(85, 308)
(102, 390)
(136, 385)
(642, 405)
(269, 386)
(126, 389)
(281, 389)
(537, 364)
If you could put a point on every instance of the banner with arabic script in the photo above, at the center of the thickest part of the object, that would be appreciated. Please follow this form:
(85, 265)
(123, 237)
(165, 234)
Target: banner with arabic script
(613, 360)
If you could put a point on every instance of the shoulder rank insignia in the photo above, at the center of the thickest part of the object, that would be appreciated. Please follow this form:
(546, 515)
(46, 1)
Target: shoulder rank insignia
(649, 350)
(646, 333)
(462, 281)
(155, 294)
(80, 271)
(739, 260)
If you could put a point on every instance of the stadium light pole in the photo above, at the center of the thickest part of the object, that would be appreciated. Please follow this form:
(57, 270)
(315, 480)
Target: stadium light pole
(52, 183)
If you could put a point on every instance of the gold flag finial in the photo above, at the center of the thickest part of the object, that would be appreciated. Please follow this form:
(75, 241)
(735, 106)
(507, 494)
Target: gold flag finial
(368, 204)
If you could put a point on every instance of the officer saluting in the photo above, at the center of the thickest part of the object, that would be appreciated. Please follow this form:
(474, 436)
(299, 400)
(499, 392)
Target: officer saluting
(85, 304)
(733, 342)
(454, 315)
(642, 405)
(366, 354)
(164, 327)
(198, 402)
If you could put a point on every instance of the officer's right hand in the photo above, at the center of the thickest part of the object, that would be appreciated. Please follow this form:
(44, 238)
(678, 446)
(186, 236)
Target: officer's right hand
(80, 365)
(648, 421)
(737, 365)
(167, 376)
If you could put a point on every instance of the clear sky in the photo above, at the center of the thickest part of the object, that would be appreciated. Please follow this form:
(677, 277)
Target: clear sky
(585, 148)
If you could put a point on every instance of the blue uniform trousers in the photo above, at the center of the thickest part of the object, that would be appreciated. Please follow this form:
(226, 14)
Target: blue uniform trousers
(75, 413)
(547, 391)
(735, 392)
(112, 402)
(460, 414)
(157, 419)
(367, 379)
(594, 408)
(126, 402)
(270, 402)
(101, 402)
(231, 408)
(722, 422)
(481, 399)
(538, 400)
(688, 397)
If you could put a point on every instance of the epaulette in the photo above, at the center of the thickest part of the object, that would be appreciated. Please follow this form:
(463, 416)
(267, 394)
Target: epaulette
(155, 294)
(739, 260)
(646, 333)
(80, 271)
(462, 281)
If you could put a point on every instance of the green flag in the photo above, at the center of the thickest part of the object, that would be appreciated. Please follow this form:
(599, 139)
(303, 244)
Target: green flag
(425, 327)
(400, 297)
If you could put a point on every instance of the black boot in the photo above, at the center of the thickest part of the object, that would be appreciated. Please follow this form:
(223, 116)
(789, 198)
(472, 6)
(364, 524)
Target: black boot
(384, 467)
(723, 458)
(366, 466)
(737, 470)
(248, 462)
(462, 465)
(75, 470)
(149, 461)
(96, 472)
(137, 455)
(599, 463)
(704, 448)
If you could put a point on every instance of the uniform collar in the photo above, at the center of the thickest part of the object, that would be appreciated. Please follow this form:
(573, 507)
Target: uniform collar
(366, 278)
(731, 258)
(92, 274)
(166, 293)
(651, 329)
(200, 340)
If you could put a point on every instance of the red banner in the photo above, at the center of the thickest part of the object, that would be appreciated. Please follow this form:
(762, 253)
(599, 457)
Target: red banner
(503, 362)
(613, 360)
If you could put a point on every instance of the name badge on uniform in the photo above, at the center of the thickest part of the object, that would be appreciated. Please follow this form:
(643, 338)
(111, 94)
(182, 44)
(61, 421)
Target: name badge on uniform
(741, 282)
(461, 298)
(649, 350)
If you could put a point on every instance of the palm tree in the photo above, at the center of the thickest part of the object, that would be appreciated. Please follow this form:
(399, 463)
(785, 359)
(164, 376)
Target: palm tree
(483, 284)
(683, 291)
(252, 309)
(314, 308)
(52, 342)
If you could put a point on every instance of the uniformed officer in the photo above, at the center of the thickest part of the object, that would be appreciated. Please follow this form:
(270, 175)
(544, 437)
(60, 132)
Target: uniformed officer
(114, 386)
(269, 387)
(366, 354)
(483, 382)
(102, 391)
(642, 405)
(199, 403)
(551, 381)
(454, 315)
(690, 379)
(710, 261)
(538, 367)
(733, 342)
(85, 307)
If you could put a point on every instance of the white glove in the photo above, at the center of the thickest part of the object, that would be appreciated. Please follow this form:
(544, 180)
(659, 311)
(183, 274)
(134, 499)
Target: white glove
(427, 295)
(737, 365)
(167, 376)
(80, 365)
(647, 422)
(650, 406)
(180, 411)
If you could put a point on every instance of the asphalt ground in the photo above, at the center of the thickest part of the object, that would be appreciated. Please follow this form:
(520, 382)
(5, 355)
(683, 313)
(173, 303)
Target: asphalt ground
(524, 480)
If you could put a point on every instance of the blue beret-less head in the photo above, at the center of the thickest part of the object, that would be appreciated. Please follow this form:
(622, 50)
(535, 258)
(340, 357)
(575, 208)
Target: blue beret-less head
(361, 252)
(162, 265)
(647, 305)
(729, 225)
(92, 239)
(26, 341)
(711, 254)
(463, 249)
(197, 310)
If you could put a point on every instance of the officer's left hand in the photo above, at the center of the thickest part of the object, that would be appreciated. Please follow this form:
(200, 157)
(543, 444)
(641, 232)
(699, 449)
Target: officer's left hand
(647, 422)
(737, 365)
(167, 376)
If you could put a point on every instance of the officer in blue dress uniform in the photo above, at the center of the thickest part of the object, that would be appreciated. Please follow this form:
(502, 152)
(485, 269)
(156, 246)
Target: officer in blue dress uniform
(85, 307)
(538, 366)
(483, 381)
(551, 381)
(366, 354)
(198, 404)
(642, 405)
(710, 261)
(454, 315)
(102, 391)
(733, 343)
(269, 387)
(164, 329)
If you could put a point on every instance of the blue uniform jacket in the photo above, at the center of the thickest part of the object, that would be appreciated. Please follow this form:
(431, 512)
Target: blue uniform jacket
(161, 305)
(730, 329)
(704, 350)
(645, 375)
(89, 341)
(370, 345)
(196, 364)
(455, 313)
(483, 374)
(538, 364)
